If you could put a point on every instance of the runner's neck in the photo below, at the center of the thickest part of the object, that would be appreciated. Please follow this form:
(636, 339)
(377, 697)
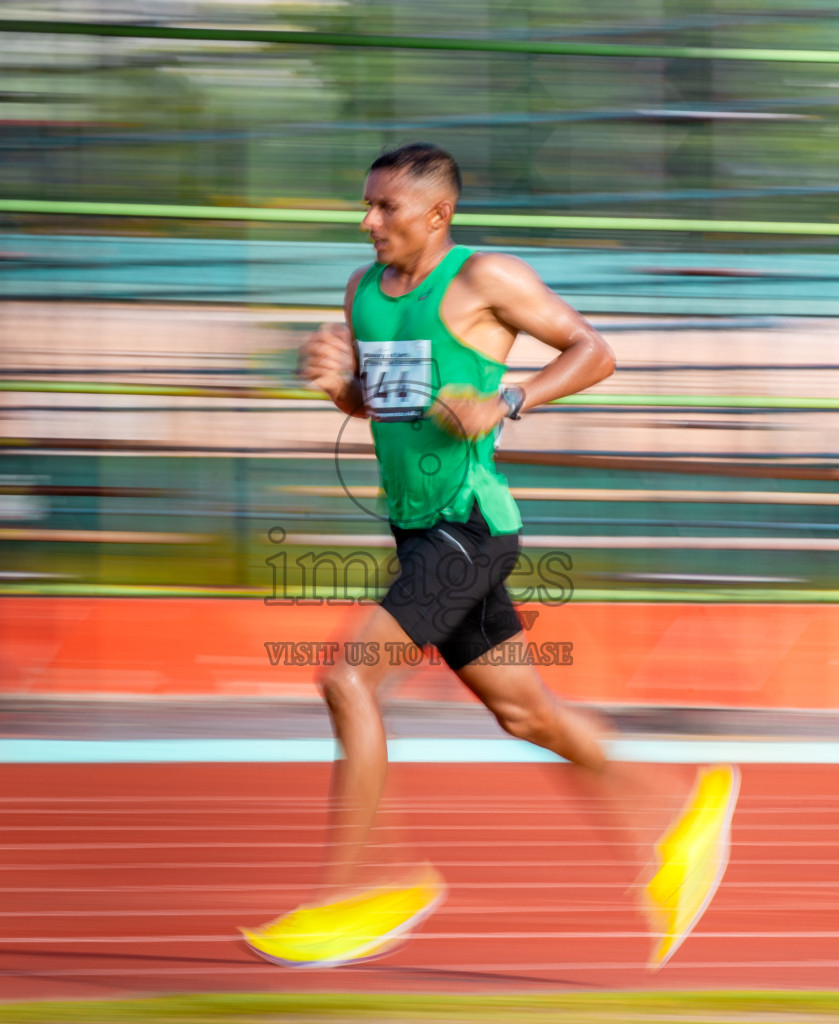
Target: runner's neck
(397, 281)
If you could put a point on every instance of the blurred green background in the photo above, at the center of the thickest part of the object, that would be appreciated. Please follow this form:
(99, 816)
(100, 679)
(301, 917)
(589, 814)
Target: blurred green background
(141, 448)
(197, 121)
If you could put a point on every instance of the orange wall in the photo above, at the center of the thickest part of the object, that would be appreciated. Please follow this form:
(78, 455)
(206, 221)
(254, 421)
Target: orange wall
(661, 654)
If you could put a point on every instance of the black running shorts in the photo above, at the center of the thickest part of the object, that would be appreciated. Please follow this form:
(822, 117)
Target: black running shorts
(450, 590)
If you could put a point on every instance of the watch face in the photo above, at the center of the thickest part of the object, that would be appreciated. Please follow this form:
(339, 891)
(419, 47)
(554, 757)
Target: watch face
(514, 397)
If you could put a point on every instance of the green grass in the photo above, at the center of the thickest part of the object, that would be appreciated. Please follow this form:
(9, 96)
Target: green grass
(611, 1008)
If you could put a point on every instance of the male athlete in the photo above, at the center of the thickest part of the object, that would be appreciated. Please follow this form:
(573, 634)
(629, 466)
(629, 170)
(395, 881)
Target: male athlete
(429, 327)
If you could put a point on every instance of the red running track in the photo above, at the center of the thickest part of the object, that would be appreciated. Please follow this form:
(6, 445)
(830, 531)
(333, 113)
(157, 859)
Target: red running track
(126, 880)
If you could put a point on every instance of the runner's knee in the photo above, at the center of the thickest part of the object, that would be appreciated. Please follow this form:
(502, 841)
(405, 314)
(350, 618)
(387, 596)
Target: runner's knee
(343, 689)
(546, 725)
(536, 724)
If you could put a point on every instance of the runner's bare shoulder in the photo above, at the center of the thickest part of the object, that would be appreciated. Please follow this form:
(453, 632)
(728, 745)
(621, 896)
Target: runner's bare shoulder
(494, 273)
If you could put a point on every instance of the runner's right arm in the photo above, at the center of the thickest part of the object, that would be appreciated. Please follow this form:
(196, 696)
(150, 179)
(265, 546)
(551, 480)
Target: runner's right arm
(329, 360)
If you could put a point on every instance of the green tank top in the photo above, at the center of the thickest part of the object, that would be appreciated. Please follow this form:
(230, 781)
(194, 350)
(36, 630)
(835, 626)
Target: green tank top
(406, 355)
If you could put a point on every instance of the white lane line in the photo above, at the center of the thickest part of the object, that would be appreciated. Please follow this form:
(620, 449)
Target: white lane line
(162, 798)
(249, 911)
(516, 844)
(273, 865)
(243, 845)
(466, 862)
(279, 865)
(447, 911)
(268, 890)
(454, 805)
(562, 810)
(225, 911)
(520, 936)
(562, 820)
(495, 828)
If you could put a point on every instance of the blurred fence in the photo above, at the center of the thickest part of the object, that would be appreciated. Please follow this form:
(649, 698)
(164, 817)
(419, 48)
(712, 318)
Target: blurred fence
(662, 111)
(298, 274)
(159, 446)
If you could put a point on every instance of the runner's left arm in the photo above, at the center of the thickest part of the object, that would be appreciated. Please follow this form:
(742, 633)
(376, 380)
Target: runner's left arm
(516, 299)
(519, 298)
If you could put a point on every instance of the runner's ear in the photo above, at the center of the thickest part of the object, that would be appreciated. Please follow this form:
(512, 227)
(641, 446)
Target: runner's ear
(440, 214)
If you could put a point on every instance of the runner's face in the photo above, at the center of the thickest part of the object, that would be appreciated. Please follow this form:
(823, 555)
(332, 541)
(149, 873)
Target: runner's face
(397, 219)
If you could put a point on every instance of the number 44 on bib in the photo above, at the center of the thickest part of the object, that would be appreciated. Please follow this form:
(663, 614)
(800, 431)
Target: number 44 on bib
(398, 378)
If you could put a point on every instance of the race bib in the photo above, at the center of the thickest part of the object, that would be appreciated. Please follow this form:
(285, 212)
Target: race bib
(398, 378)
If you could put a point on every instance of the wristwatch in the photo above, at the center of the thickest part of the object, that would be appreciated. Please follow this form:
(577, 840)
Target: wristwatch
(514, 396)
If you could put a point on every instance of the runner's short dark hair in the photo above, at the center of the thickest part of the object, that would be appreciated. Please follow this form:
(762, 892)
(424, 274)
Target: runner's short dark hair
(421, 160)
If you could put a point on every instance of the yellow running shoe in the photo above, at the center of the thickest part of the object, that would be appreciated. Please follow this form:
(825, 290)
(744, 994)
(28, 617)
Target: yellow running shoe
(693, 855)
(363, 927)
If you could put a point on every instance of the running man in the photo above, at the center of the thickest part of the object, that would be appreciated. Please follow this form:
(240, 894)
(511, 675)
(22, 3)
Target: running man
(429, 327)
